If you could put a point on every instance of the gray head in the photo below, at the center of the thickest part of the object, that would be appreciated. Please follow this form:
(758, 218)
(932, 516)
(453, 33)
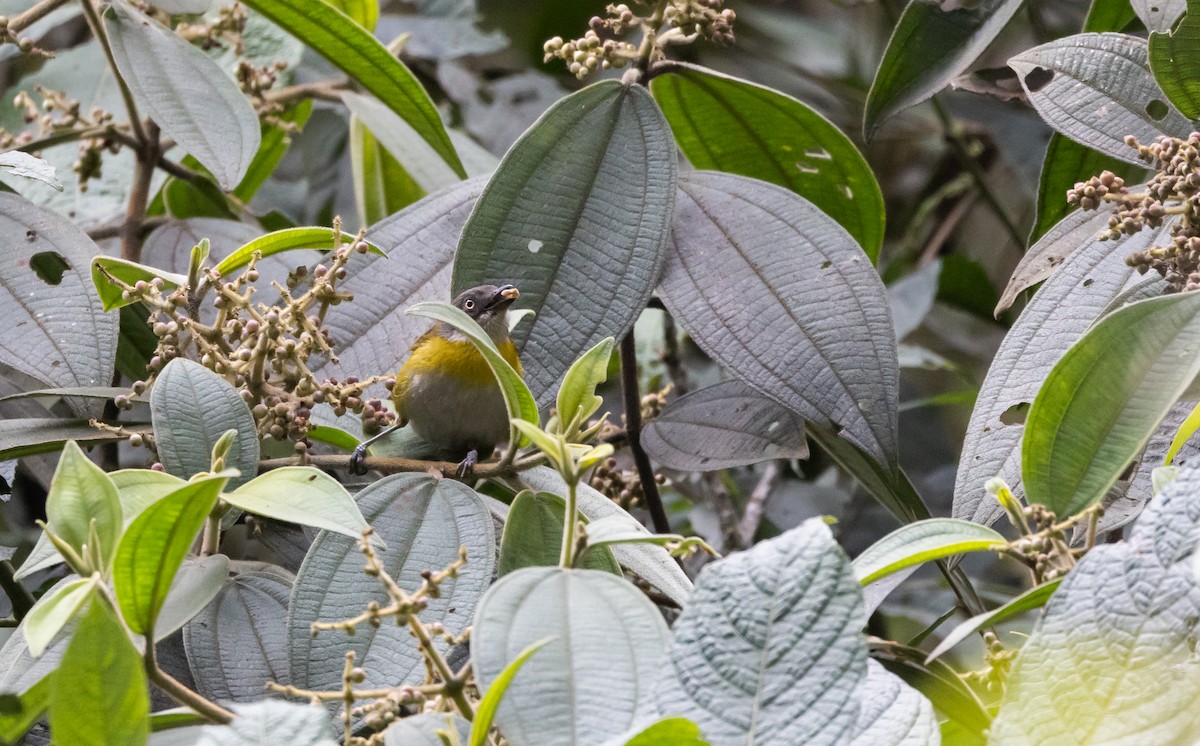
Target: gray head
(487, 305)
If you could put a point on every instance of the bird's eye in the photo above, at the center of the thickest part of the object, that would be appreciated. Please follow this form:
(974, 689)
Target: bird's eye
(469, 305)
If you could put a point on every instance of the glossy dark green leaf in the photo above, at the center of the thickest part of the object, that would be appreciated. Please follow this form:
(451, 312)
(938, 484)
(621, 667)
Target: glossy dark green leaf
(725, 425)
(104, 699)
(354, 51)
(154, 546)
(533, 536)
(1110, 15)
(192, 407)
(582, 201)
(381, 185)
(1174, 62)
(275, 142)
(185, 92)
(725, 124)
(1066, 163)
(1105, 398)
(930, 47)
(782, 297)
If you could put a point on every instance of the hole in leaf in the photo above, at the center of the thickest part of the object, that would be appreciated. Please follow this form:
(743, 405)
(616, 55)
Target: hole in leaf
(826, 264)
(49, 266)
(1157, 110)
(1015, 415)
(1037, 78)
(807, 169)
(819, 153)
(846, 190)
(1088, 282)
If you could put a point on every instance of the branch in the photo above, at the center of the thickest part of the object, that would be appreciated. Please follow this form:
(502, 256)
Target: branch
(33, 15)
(139, 196)
(396, 464)
(181, 693)
(633, 431)
(326, 90)
(757, 503)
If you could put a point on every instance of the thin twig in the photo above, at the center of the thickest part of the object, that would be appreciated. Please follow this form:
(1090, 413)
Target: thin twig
(181, 693)
(633, 430)
(397, 464)
(113, 231)
(326, 90)
(757, 503)
(97, 26)
(24, 20)
(139, 196)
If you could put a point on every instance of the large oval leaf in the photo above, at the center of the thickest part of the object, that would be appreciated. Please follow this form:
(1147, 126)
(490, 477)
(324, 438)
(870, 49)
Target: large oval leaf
(576, 216)
(1096, 89)
(781, 296)
(56, 330)
(372, 334)
(239, 642)
(893, 713)
(606, 651)
(1104, 399)
(186, 93)
(930, 47)
(725, 425)
(352, 49)
(423, 522)
(1173, 62)
(1059, 314)
(725, 124)
(192, 407)
(301, 494)
(769, 648)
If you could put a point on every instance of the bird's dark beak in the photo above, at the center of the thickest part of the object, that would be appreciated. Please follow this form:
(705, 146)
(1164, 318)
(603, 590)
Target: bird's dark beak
(505, 295)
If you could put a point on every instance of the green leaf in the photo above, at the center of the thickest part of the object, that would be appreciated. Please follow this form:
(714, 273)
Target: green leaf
(130, 273)
(929, 48)
(364, 12)
(724, 425)
(533, 535)
(769, 648)
(191, 408)
(919, 542)
(485, 712)
(275, 142)
(136, 342)
(154, 546)
(99, 694)
(1096, 89)
(1189, 427)
(18, 712)
(238, 643)
(53, 611)
(288, 239)
(1106, 15)
(725, 124)
(577, 400)
(195, 198)
(607, 648)
(676, 731)
(580, 206)
(80, 493)
(1173, 62)
(423, 521)
(354, 51)
(517, 398)
(381, 185)
(1066, 163)
(1034, 598)
(184, 91)
(57, 331)
(780, 295)
(1105, 397)
(301, 494)
(22, 164)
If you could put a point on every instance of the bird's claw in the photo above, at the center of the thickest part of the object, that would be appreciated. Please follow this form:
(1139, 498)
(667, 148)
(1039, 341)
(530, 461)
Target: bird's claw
(467, 465)
(358, 459)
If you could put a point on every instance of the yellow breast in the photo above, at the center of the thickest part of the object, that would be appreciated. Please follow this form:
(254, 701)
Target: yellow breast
(457, 359)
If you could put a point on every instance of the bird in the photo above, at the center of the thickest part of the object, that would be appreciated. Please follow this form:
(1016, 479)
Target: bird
(446, 391)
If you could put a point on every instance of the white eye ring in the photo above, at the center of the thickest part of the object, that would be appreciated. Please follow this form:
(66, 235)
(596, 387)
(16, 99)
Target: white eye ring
(469, 305)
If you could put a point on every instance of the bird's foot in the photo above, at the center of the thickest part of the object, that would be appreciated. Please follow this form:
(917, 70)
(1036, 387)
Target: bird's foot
(358, 459)
(467, 465)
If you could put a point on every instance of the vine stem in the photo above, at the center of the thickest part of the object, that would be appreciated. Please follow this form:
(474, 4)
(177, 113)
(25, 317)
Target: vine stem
(633, 432)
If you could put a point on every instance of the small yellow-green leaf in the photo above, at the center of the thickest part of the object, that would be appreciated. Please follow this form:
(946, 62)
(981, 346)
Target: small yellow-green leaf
(364, 12)
(305, 237)
(486, 710)
(577, 398)
(920, 542)
(54, 610)
(1183, 434)
(81, 492)
(130, 273)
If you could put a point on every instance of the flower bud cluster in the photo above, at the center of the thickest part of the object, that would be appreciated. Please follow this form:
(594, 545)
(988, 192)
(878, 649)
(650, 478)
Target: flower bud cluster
(58, 114)
(622, 486)
(25, 44)
(262, 350)
(605, 45)
(224, 30)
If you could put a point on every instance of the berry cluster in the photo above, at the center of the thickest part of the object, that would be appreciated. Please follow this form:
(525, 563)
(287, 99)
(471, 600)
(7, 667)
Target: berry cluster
(622, 486)
(263, 350)
(57, 115)
(24, 44)
(662, 24)
(224, 30)
(1173, 190)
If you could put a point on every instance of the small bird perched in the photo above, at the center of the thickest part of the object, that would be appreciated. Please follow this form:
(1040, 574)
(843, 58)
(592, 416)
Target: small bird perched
(446, 390)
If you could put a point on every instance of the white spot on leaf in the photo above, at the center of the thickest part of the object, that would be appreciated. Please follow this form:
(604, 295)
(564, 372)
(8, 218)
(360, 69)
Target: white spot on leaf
(535, 246)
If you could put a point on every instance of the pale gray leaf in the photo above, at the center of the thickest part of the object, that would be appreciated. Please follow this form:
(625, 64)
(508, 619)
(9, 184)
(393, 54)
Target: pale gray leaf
(239, 641)
(1078, 229)
(725, 425)
(1159, 15)
(270, 723)
(191, 408)
(892, 713)
(55, 328)
(1098, 88)
(769, 650)
(419, 160)
(1059, 314)
(23, 164)
(422, 730)
(198, 581)
(442, 38)
(650, 562)
(781, 296)
(591, 681)
(423, 522)
(1111, 660)
(373, 334)
(187, 94)
(911, 297)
